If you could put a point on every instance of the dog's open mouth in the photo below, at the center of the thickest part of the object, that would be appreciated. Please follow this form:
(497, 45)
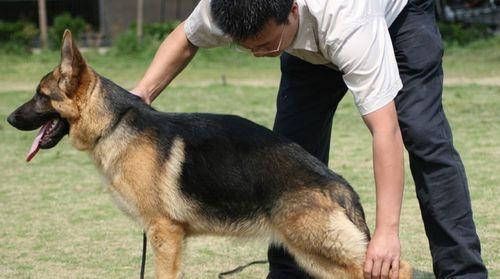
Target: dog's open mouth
(48, 136)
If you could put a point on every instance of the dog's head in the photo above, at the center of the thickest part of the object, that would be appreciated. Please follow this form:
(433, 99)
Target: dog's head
(55, 105)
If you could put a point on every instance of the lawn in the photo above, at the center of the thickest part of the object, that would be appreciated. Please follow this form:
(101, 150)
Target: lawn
(56, 221)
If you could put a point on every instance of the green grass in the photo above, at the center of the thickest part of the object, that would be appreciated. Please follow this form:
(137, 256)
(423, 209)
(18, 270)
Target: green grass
(479, 60)
(57, 221)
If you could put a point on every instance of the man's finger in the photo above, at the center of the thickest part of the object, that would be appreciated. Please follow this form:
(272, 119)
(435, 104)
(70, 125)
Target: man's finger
(384, 271)
(395, 269)
(377, 266)
(367, 269)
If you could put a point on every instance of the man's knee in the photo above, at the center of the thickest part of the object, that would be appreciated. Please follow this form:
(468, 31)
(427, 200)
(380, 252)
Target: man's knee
(422, 138)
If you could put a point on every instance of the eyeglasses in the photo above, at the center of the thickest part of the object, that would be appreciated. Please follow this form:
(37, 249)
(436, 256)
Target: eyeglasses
(262, 50)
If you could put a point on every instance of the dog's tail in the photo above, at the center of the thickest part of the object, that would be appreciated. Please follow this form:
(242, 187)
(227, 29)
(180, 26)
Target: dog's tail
(344, 195)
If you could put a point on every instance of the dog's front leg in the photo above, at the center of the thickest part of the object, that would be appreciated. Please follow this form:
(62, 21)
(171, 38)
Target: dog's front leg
(166, 239)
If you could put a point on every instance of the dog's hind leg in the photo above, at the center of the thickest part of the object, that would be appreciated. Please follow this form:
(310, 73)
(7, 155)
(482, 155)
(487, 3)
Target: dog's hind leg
(323, 240)
(166, 238)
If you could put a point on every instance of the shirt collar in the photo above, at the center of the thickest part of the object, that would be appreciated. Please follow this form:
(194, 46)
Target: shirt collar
(305, 38)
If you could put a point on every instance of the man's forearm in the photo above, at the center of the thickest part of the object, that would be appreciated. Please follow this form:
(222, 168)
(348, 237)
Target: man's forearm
(171, 58)
(388, 167)
(389, 174)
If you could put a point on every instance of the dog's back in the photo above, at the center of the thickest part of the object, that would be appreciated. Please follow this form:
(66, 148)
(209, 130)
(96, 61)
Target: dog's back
(236, 169)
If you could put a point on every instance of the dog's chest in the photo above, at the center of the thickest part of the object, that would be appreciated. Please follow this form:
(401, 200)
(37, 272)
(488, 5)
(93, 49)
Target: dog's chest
(148, 185)
(122, 198)
(124, 204)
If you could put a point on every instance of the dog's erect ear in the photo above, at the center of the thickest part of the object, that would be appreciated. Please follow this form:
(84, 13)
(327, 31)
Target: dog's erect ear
(72, 61)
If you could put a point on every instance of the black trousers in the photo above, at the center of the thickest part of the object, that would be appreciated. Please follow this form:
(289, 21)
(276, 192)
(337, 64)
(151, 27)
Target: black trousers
(306, 103)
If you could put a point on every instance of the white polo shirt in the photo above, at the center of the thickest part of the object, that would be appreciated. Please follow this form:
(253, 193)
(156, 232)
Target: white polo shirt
(348, 35)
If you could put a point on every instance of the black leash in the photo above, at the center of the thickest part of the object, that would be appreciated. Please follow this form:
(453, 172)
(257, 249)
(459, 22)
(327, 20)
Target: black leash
(239, 268)
(221, 275)
(144, 247)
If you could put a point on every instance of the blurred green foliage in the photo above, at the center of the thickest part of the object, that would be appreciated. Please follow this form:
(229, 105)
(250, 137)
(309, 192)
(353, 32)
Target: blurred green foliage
(159, 30)
(16, 37)
(62, 22)
(126, 43)
(460, 34)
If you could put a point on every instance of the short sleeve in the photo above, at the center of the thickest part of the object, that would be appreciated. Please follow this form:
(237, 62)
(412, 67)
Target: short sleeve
(201, 30)
(366, 57)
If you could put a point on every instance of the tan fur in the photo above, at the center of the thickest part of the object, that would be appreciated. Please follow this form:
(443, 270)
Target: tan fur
(54, 87)
(128, 161)
(166, 238)
(177, 206)
(405, 270)
(318, 233)
(93, 116)
(315, 229)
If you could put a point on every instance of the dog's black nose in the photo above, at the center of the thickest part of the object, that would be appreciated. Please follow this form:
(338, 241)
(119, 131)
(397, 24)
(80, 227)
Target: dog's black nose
(11, 119)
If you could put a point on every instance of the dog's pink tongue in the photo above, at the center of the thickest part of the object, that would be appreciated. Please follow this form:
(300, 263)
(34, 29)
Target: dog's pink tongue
(35, 146)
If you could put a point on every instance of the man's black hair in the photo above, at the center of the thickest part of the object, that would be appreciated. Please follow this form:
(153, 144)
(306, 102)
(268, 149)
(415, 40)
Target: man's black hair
(242, 19)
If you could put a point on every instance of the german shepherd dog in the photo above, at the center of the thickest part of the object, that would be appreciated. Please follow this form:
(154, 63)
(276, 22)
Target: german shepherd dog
(186, 174)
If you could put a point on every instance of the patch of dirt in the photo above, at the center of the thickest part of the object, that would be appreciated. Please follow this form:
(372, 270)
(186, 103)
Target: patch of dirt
(16, 86)
(26, 86)
(488, 81)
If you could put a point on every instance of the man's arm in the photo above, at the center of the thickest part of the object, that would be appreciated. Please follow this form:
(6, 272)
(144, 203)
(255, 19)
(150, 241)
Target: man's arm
(384, 249)
(172, 57)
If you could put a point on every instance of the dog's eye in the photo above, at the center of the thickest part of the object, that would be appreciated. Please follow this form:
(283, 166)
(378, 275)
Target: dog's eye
(40, 97)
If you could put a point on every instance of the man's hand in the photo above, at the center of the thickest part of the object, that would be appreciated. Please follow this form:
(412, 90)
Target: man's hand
(146, 98)
(382, 256)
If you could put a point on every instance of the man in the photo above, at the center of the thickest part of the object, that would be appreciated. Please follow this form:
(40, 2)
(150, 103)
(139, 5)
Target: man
(388, 53)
